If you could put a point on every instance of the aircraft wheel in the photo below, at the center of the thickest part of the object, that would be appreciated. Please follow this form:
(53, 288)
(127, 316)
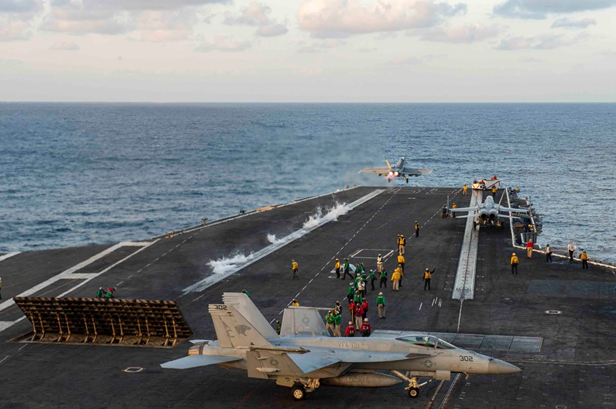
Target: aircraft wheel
(298, 392)
(414, 392)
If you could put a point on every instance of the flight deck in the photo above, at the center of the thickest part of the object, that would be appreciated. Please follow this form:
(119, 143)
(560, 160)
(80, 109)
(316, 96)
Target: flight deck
(553, 320)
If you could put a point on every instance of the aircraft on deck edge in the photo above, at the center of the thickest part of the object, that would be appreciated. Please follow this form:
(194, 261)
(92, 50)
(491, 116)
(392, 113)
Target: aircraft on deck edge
(305, 356)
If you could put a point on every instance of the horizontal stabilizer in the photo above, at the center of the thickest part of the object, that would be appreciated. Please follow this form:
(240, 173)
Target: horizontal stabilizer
(463, 209)
(466, 216)
(194, 361)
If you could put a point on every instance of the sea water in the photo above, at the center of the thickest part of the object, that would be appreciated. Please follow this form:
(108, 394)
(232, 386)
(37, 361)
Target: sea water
(77, 174)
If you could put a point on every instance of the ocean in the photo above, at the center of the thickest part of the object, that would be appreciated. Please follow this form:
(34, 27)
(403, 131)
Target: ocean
(78, 174)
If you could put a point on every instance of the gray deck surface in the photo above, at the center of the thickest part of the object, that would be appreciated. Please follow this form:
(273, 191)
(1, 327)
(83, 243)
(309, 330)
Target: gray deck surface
(568, 359)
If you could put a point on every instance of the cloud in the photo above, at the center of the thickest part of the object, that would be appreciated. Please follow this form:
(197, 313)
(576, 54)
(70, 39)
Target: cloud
(155, 20)
(224, 44)
(470, 33)
(333, 18)
(539, 42)
(17, 6)
(16, 18)
(63, 46)
(574, 24)
(257, 14)
(322, 45)
(540, 9)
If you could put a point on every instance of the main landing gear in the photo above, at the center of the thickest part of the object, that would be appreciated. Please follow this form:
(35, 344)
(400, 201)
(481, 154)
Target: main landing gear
(301, 388)
(413, 388)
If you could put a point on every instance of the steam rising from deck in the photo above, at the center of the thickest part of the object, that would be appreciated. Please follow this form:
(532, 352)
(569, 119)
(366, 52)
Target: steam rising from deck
(340, 209)
(225, 265)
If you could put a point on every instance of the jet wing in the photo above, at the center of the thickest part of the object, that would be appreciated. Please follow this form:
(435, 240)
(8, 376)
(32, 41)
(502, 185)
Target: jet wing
(313, 361)
(508, 209)
(463, 209)
(415, 172)
(356, 356)
(377, 171)
(194, 361)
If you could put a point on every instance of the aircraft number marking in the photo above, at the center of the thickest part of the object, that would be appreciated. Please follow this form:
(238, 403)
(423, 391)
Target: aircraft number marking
(466, 358)
(220, 306)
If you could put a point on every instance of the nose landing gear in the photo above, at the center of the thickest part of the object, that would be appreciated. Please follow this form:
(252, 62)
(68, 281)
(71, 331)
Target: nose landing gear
(413, 388)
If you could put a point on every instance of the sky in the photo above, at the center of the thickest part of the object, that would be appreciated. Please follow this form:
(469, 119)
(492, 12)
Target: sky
(308, 50)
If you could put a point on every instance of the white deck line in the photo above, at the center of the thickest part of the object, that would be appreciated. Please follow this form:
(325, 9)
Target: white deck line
(9, 255)
(464, 286)
(258, 255)
(68, 274)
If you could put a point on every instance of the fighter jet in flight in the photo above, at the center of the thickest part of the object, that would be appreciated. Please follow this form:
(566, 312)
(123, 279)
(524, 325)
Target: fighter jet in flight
(487, 213)
(304, 356)
(399, 170)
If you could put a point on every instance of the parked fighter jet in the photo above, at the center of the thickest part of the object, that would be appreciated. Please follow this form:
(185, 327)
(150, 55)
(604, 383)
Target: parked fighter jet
(397, 171)
(305, 356)
(487, 212)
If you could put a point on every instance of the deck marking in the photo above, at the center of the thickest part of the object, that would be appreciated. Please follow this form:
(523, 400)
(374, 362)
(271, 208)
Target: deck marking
(9, 255)
(420, 305)
(68, 274)
(464, 286)
(266, 251)
(328, 263)
(5, 358)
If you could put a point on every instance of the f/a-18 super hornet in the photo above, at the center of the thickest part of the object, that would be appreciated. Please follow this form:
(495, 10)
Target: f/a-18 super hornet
(399, 170)
(305, 356)
(487, 212)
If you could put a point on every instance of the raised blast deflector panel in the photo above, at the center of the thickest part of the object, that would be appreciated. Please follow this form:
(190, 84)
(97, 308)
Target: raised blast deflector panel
(303, 321)
(104, 321)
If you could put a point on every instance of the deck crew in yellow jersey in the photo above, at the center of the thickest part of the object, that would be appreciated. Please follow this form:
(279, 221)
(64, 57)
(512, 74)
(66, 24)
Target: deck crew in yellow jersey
(294, 268)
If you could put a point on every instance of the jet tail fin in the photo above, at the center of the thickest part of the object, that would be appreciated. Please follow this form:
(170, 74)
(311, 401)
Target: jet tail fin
(238, 322)
(388, 165)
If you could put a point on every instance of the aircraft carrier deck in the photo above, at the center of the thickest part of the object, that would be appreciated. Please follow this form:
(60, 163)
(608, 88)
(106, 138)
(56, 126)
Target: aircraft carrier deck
(555, 321)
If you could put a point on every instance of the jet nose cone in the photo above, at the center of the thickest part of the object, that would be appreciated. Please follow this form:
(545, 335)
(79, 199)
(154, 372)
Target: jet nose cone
(498, 367)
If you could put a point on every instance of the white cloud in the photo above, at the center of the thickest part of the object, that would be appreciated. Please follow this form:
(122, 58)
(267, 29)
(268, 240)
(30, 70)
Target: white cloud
(63, 46)
(540, 9)
(155, 20)
(538, 42)
(224, 44)
(336, 18)
(574, 24)
(470, 33)
(257, 14)
(16, 18)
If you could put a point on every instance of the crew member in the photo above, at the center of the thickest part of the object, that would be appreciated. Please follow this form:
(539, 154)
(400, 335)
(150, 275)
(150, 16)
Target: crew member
(380, 305)
(329, 320)
(337, 322)
(453, 214)
(350, 292)
(294, 303)
(294, 268)
(346, 269)
(571, 248)
(444, 212)
(372, 278)
(401, 261)
(428, 278)
(529, 248)
(359, 313)
(494, 189)
(110, 292)
(584, 258)
(548, 253)
(379, 263)
(361, 287)
(100, 293)
(395, 277)
(514, 264)
(416, 229)
(337, 268)
(365, 328)
(464, 189)
(337, 308)
(364, 306)
(278, 327)
(402, 244)
(350, 330)
(383, 275)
